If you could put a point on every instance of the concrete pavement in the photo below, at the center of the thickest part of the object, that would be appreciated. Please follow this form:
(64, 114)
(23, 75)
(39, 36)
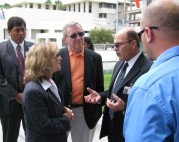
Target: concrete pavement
(96, 136)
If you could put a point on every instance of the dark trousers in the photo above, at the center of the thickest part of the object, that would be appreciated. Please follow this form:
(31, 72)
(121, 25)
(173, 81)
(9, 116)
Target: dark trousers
(114, 131)
(10, 127)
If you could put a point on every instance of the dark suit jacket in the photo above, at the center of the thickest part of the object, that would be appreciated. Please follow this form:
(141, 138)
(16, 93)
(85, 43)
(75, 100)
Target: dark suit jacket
(93, 78)
(141, 66)
(10, 78)
(43, 113)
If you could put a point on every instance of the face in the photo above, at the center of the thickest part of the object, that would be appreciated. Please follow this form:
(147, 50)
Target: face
(86, 45)
(57, 63)
(18, 34)
(75, 38)
(123, 47)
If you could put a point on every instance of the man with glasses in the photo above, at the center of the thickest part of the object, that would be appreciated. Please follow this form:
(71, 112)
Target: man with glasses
(12, 55)
(152, 113)
(81, 68)
(127, 47)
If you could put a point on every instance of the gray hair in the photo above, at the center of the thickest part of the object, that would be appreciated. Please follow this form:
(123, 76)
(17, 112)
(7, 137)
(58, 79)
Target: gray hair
(71, 24)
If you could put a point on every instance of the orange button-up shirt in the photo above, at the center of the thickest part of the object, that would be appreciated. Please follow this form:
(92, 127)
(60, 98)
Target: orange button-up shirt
(77, 76)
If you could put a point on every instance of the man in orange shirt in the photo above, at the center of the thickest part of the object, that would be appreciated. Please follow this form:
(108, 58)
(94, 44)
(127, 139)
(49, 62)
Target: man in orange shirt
(81, 68)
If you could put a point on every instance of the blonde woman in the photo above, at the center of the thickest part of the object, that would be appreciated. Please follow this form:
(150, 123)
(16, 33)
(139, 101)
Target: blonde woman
(46, 118)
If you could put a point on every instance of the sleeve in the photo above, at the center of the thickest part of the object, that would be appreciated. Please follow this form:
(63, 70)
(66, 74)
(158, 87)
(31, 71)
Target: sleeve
(37, 114)
(146, 119)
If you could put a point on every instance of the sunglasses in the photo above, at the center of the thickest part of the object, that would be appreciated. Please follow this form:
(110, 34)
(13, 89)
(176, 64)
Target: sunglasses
(141, 32)
(73, 36)
(118, 44)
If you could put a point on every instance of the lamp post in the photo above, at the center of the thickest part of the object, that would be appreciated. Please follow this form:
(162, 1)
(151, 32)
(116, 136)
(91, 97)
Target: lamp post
(117, 15)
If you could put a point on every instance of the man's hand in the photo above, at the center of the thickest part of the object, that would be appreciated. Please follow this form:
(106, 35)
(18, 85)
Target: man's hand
(69, 113)
(18, 98)
(116, 106)
(93, 97)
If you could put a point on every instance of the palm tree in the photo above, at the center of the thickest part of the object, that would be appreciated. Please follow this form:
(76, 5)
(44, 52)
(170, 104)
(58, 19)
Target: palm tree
(4, 6)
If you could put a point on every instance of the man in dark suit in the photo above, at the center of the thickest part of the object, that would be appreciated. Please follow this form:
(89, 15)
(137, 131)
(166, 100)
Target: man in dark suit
(126, 45)
(11, 75)
(81, 67)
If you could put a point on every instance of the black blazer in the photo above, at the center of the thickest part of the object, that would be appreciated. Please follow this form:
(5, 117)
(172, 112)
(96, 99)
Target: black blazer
(10, 78)
(93, 78)
(141, 66)
(43, 114)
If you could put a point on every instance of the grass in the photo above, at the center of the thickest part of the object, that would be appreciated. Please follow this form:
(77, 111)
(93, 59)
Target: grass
(107, 79)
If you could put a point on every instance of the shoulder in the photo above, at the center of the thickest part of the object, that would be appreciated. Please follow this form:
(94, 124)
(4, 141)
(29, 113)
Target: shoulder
(92, 53)
(28, 43)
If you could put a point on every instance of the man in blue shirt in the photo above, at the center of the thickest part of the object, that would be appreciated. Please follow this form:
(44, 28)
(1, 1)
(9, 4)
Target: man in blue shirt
(152, 113)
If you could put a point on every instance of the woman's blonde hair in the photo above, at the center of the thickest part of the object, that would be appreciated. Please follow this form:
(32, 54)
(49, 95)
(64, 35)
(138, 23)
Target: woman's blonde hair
(39, 61)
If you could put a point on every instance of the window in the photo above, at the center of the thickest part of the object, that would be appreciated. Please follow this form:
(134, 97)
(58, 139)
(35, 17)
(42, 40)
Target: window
(84, 7)
(31, 5)
(107, 5)
(79, 7)
(90, 7)
(54, 7)
(102, 15)
(74, 8)
(47, 6)
(39, 6)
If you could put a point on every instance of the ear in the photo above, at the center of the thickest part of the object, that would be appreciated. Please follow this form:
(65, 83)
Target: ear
(65, 39)
(134, 43)
(148, 34)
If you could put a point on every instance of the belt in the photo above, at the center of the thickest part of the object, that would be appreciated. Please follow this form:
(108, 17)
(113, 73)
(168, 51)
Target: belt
(76, 105)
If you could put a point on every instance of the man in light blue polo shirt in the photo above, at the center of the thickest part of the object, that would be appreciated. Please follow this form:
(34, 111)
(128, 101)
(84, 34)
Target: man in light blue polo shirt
(152, 113)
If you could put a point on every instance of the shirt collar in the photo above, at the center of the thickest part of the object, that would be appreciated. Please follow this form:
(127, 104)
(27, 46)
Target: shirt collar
(133, 60)
(76, 54)
(46, 84)
(15, 44)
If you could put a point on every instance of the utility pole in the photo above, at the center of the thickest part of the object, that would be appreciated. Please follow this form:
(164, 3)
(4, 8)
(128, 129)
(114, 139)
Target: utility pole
(117, 15)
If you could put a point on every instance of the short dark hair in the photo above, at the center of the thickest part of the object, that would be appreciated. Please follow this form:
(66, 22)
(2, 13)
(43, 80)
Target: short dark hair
(132, 35)
(89, 42)
(15, 21)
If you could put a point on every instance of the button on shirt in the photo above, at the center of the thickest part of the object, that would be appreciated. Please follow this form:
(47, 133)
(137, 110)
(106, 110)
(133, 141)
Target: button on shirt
(152, 113)
(50, 84)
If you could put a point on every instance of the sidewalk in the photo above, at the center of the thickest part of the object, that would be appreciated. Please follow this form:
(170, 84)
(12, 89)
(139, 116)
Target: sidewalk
(96, 136)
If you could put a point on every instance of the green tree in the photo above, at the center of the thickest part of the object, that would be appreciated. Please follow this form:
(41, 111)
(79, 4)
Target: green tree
(59, 5)
(4, 6)
(48, 2)
(101, 36)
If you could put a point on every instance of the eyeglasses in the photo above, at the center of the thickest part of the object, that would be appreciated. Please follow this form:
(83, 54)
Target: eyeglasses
(141, 32)
(118, 44)
(73, 36)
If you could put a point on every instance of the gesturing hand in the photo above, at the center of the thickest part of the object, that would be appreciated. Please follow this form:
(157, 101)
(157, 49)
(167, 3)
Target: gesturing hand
(93, 97)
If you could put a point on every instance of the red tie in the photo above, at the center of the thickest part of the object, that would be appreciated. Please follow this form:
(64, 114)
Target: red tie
(21, 64)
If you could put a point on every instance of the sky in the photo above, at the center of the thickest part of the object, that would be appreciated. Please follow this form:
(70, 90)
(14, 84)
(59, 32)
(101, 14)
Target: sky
(11, 2)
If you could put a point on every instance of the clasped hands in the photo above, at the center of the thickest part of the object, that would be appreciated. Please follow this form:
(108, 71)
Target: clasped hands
(95, 98)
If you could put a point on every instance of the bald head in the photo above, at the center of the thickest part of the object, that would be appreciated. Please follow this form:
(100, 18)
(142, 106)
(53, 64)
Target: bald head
(163, 14)
(129, 34)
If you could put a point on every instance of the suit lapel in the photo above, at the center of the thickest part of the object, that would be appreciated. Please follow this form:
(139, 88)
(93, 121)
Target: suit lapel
(66, 62)
(26, 48)
(87, 67)
(115, 73)
(134, 70)
(53, 97)
(11, 52)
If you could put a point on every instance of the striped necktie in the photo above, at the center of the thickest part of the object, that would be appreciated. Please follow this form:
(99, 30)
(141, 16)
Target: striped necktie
(117, 85)
(21, 65)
